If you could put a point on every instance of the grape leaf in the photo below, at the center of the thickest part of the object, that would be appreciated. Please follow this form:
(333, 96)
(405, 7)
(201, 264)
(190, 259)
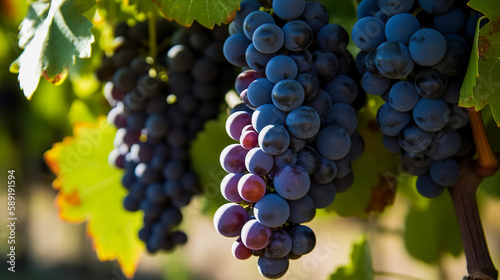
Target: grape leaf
(482, 83)
(361, 266)
(374, 185)
(90, 190)
(52, 35)
(206, 12)
(205, 152)
(431, 227)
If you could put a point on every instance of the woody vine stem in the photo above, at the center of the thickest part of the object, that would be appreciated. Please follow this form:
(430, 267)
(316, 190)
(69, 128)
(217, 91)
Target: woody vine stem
(463, 194)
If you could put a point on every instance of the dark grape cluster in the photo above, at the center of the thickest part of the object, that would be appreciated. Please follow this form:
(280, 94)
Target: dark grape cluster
(415, 55)
(158, 110)
(296, 129)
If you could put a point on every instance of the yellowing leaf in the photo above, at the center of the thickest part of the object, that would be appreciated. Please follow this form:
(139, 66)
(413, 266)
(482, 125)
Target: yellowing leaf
(52, 35)
(90, 190)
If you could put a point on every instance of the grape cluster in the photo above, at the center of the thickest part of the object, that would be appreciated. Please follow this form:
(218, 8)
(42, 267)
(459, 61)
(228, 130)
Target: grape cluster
(296, 129)
(415, 55)
(158, 110)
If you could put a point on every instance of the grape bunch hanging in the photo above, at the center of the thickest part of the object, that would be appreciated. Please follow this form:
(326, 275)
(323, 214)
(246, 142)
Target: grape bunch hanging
(296, 129)
(415, 55)
(158, 110)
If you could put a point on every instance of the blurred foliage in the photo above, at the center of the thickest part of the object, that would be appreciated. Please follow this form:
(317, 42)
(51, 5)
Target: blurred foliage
(361, 265)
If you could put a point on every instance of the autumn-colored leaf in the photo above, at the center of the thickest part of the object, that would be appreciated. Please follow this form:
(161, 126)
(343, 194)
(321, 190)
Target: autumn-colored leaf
(90, 191)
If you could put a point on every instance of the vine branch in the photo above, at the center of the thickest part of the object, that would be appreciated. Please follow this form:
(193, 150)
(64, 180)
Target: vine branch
(463, 194)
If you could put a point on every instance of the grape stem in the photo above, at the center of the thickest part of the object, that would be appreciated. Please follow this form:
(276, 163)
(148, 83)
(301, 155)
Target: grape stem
(152, 35)
(463, 194)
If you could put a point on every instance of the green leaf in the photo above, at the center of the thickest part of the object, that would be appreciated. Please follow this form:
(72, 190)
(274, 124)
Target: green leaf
(205, 152)
(206, 12)
(431, 228)
(374, 186)
(52, 35)
(361, 266)
(481, 84)
(90, 190)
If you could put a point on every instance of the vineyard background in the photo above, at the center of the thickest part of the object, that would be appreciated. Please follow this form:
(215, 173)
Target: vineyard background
(51, 249)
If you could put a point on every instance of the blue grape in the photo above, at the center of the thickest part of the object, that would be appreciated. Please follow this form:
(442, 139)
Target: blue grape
(321, 103)
(260, 91)
(268, 38)
(450, 22)
(344, 166)
(236, 122)
(426, 187)
(357, 146)
(414, 140)
(375, 85)
(458, 117)
(258, 162)
(393, 7)
(445, 173)
(346, 62)
(446, 144)
(327, 171)
(257, 60)
(229, 219)
(393, 60)
(458, 39)
(254, 235)
(454, 62)
(344, 116)
(360, 62)
(298, 36)
(333, 142)
(403, 96)
(288, 95)
(427, 47)
(287, 158)
(367, 8)
(436, 7)
(310, 83)
(325, 65)
(322, 195)
(289, 9)
(391, 143)
(254, 20)
(303, 239)
(344, 183)
(302, 210)
(292, 182)
(279, 245)
(180, 59)
(390, 121)
(246, 7)
(232, 159)
(368, 33)
(274, 139)
(245, 78)
(303, 122)
(308, 159)
(430, 84)
(229, 187)
(281, 67)
(272, 268)
(342, 89)
(400, 28)
(431, 114)
(272, 210)
(315, 15)
(267, 114)
(304, 60)
(452, 94)
(234, 49)
(296, 144)
(333, 38)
